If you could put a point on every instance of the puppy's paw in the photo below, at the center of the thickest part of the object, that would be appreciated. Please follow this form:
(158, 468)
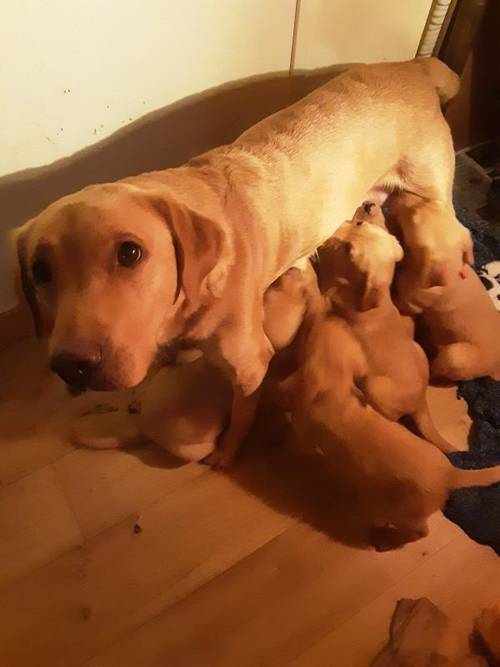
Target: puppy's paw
(219, 459)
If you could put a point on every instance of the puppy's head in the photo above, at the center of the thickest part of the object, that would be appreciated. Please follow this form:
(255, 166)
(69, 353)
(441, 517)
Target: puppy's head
(369, 212)
(437, 250)
(360, 259)
(108, 274)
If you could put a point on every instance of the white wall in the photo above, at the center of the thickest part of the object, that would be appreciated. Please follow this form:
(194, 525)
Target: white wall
(74, 71)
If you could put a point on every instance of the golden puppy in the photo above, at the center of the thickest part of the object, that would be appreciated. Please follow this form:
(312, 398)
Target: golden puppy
(397, 478)
(184, 407)
(462, 324)
(116, 271)
(356, 268)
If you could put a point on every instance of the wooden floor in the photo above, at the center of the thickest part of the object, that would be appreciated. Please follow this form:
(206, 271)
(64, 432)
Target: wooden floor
(120, 558)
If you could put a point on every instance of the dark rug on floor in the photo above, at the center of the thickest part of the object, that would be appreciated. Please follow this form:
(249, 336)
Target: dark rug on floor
(477, 510)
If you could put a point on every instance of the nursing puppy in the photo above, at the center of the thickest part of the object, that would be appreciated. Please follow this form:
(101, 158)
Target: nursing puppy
(117, 271)
(462, 324)
(185, 406)
(396, 478)
(356, 268)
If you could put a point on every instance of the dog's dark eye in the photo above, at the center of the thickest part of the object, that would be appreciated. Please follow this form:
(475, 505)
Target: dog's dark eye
(129, 253)
(41, 272)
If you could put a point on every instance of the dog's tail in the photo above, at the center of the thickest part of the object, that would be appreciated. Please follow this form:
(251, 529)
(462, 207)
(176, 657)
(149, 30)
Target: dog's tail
(462, 479)
(445, 81)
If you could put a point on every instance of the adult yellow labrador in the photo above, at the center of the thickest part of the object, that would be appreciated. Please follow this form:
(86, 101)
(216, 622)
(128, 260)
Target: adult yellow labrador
(116, 271)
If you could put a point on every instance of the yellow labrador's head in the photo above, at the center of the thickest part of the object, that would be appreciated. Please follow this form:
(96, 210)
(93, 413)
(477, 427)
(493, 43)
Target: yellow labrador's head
(108, 273)
(360, 259)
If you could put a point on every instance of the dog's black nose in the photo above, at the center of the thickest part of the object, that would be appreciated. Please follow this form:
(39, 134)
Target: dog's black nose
(76, 368)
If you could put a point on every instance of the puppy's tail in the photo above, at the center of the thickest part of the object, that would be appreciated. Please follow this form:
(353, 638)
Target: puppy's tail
(445, 81)
(462, 479)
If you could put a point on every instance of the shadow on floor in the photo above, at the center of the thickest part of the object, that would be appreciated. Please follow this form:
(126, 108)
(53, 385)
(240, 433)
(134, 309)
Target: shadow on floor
(297, 483)
(35, 405)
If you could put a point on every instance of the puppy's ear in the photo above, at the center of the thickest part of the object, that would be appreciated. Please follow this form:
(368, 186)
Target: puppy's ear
(397, 249)
(23, 283)
(436, 275)
(371, 295)
(200, 251)
(371, 287)
(468, 250)
(434, 271)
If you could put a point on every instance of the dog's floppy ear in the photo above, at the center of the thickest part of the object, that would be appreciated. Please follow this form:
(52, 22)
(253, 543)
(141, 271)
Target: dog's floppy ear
(435, 271)
(436, 275)
(23, 284)
(371, 287)
(377, 286)
(200, 251)
(468, 250)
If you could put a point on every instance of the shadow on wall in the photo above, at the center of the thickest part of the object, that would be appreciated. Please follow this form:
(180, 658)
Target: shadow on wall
(164, 138)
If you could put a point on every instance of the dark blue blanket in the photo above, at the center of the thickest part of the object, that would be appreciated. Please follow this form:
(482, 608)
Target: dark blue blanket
(477, 510)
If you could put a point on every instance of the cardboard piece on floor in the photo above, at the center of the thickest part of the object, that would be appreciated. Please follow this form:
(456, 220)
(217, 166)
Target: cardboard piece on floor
(421, 636)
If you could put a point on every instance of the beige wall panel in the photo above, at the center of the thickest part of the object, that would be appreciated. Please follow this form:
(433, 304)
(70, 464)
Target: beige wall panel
(346, 31)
